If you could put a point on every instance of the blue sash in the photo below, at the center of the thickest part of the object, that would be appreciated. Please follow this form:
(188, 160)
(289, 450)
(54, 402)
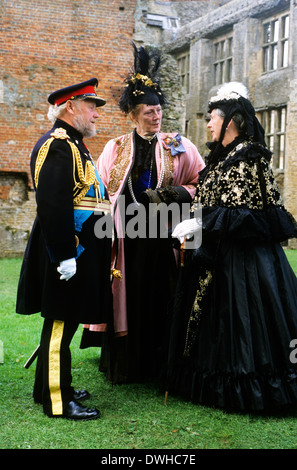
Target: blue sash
(80, 216)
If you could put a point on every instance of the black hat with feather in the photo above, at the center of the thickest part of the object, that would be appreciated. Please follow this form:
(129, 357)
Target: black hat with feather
(142, 84)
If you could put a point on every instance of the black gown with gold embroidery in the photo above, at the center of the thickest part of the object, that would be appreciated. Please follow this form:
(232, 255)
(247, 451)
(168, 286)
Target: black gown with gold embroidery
(235, 310)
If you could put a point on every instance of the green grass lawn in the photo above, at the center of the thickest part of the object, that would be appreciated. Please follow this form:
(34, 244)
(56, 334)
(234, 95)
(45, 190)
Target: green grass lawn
(133, 416)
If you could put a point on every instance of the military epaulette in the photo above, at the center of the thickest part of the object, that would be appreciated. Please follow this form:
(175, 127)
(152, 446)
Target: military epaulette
(60, 133)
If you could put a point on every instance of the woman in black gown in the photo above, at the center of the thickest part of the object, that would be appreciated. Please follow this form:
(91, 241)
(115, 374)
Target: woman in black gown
(236, 306)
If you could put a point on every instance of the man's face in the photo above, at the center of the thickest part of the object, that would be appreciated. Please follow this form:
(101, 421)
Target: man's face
(148, 119)
(85, 115)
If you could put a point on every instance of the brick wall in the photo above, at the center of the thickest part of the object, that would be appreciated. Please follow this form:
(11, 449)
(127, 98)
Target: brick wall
(48, 45)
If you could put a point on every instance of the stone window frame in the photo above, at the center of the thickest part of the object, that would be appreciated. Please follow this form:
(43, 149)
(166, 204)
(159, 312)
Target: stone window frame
(275, 42)
(274, 122)
(223, 58)
(183, 65)
(162, 21)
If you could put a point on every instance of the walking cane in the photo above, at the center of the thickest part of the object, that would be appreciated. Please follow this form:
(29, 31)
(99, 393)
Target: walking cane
(182, 263)
(32, 358)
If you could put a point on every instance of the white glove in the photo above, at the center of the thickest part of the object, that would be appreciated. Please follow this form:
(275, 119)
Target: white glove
(67, 268)
(186, 229)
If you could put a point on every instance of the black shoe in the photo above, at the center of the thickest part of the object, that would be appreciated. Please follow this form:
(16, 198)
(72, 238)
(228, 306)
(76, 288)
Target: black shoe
(80, 395)
(77, 412)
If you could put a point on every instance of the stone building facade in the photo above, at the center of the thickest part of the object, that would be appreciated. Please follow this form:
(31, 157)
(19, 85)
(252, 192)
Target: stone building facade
(204, 43)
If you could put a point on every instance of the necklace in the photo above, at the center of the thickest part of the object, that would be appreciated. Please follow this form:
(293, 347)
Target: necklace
(162, 172)
(149, 138)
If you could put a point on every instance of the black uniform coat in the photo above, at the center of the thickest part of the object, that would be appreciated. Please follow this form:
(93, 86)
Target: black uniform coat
(86, 297)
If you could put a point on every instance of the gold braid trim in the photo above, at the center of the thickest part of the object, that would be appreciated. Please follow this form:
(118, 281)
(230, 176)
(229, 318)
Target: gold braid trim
(169, 168)
(42, 154)
(121, 163)
(86, 178)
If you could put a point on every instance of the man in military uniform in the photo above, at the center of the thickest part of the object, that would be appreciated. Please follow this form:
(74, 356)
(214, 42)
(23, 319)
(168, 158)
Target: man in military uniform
(65, 273)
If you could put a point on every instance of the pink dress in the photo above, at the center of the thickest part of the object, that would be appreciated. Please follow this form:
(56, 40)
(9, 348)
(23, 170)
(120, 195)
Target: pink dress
(114, 166)
(148, 266)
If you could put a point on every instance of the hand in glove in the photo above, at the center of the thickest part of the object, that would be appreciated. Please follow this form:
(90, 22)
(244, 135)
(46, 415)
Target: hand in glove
(186, 229)
(67, 268)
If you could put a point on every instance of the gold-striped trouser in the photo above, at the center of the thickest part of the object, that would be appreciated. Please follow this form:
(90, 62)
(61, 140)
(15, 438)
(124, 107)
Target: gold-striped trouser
(54, 367)
(53, 377)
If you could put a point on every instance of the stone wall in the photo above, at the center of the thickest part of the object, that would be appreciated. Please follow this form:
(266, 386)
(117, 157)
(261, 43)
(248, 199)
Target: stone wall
(44, 48)
(17, 208)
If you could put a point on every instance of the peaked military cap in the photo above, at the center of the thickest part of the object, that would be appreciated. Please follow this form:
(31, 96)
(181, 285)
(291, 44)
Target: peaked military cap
(85, 90)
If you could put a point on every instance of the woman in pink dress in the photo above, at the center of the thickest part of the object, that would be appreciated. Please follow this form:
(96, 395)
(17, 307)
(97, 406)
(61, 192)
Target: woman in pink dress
(143, 171)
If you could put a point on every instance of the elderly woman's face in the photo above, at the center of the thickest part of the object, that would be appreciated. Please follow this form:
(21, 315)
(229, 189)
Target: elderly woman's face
(215, 125)
(147, 118)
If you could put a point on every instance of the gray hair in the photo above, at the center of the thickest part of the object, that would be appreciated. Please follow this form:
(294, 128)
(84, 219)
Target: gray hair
(238, 119)
(55, 112)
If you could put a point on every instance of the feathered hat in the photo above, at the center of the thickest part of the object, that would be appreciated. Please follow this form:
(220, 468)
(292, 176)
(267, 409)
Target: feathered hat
(232, 98)
(142, 84)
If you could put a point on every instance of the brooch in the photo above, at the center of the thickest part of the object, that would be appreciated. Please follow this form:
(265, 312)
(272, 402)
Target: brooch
(175, 144)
